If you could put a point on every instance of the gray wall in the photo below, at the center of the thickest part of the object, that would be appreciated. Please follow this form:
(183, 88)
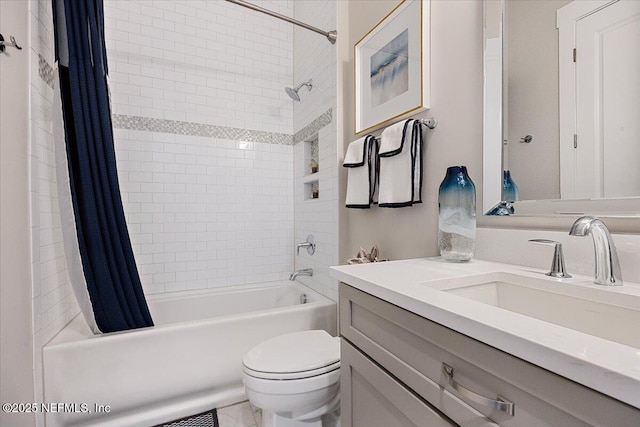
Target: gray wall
(457, 102)
(16, 362)
(456, 99)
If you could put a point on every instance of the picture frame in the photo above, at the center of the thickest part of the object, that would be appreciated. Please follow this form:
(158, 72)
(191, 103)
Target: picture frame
(392, 67)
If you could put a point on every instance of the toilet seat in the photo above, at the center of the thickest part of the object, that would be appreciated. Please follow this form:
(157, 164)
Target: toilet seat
(292, 387)
(297, 355)
(291, 375)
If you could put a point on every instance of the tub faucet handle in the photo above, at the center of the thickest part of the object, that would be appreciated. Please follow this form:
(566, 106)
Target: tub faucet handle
(557, 264)
(310, 244)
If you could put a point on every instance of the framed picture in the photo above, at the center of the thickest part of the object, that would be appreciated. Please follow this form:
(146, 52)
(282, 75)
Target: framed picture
(392, 67)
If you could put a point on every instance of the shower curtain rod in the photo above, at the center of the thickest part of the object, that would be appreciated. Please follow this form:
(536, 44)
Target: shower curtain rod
(330, 35)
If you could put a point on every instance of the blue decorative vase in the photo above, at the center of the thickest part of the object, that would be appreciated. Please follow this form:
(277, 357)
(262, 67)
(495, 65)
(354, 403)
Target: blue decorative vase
(509, 188)
(457, 215)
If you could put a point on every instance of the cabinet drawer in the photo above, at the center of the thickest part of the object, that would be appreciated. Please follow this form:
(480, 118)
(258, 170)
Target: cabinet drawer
(373, 398)
(413, 349)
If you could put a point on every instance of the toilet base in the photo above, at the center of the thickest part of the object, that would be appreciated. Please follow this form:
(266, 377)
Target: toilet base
(275, 420)
(270, 419)
(332, 419)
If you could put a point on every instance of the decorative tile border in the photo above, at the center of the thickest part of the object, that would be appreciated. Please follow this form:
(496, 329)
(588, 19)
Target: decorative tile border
(313, 127)
(121, 121)
(199, 129)
(46, 72)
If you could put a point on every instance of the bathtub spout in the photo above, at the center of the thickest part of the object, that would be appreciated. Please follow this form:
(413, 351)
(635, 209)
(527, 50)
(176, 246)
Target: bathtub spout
(303, 272)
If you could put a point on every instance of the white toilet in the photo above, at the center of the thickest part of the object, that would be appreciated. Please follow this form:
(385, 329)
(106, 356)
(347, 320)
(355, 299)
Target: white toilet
(295, 379)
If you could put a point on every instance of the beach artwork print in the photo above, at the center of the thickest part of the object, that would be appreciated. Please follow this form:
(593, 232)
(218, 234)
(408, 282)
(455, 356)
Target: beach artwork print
(390, 70)
(391, 67)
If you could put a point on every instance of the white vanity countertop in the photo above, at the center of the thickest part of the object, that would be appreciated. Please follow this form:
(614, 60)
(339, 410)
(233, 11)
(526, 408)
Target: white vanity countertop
(606, 366)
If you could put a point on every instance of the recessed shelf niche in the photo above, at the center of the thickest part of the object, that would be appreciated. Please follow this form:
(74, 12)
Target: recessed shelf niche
(311, 166)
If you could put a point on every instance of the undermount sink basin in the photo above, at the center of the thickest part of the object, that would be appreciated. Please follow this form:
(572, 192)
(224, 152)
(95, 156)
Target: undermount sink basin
(612, 314)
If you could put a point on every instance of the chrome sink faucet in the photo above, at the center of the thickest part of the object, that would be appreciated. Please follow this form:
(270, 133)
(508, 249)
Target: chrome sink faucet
(607, 265)
(303, 272)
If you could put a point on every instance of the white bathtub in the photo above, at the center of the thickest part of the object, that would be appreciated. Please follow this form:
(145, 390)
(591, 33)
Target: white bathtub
(189, 362)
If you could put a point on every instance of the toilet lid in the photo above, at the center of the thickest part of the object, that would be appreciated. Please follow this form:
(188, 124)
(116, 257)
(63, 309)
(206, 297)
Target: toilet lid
(297, 352)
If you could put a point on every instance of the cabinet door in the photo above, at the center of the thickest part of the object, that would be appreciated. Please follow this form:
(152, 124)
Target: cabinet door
(370, 397)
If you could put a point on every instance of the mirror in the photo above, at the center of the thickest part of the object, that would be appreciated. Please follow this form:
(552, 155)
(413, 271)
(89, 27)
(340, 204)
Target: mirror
(561, 136)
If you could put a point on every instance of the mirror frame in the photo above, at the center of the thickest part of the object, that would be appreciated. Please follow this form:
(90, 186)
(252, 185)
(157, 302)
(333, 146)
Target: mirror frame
(627, 207)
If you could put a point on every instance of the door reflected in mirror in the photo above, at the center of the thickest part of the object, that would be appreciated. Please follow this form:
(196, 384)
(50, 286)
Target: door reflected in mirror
(562, 101)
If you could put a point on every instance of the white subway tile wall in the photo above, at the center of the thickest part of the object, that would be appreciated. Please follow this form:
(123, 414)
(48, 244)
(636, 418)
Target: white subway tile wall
(318, 216)
(54, 304)
(315, 58)
(209, 62)
(205, 212)
(217, 64)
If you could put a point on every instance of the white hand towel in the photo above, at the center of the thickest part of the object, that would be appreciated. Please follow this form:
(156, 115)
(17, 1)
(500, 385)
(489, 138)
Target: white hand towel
(400, 158)
(361, 177)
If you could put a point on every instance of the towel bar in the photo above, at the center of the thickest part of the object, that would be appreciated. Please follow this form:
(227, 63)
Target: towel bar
(430, 122)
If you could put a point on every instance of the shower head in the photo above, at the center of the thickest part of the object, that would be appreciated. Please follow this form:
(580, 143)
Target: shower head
(293, 92)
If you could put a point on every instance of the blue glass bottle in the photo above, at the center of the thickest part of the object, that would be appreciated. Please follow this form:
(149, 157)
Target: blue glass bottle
(509, 187)
(457, 215)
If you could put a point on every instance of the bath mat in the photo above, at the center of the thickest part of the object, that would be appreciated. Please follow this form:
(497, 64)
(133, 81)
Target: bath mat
(204, 419)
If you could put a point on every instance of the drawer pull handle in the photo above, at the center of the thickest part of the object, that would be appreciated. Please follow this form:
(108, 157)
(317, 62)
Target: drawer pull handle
(499, 403)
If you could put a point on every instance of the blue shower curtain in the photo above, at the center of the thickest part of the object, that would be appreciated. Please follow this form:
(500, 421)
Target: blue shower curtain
(107, 258)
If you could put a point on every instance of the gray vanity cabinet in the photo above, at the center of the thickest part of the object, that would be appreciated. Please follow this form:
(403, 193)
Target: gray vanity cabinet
(401, 369)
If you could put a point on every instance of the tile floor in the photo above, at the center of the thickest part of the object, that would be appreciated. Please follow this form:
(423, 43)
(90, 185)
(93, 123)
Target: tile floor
(240, 415)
